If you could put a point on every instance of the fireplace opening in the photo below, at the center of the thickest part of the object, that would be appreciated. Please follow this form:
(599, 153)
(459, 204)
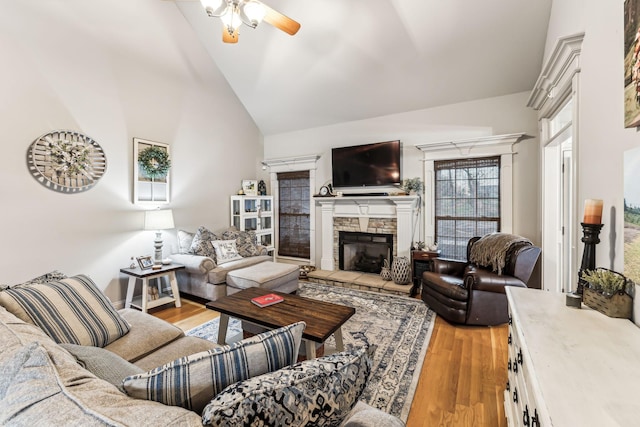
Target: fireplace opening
(364, 252)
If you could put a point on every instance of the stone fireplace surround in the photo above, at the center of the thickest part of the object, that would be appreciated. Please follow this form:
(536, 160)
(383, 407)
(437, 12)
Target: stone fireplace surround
(369, 214)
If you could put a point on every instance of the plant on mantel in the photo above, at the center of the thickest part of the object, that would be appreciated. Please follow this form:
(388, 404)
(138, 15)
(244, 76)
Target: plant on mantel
(412, 185)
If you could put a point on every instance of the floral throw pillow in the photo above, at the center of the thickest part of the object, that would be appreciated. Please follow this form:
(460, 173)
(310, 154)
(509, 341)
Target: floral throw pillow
(226, 251)
(245, 241)
(318, 392)
(201, 244)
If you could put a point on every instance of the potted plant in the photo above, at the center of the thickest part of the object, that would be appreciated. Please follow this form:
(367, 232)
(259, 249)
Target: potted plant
(608, 292)
(412, 186)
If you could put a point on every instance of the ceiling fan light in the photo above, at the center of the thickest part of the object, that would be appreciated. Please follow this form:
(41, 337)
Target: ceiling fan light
(252, 12)
(231, 19)
(214, 7)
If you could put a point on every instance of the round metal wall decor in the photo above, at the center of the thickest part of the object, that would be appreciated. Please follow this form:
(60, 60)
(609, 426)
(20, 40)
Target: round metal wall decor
(66, 161)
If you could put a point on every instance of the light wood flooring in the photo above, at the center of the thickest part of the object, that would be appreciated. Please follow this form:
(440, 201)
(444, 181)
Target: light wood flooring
(463, 375)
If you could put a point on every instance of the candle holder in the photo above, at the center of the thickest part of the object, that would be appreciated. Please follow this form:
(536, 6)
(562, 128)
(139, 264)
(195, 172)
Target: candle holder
(590, 238)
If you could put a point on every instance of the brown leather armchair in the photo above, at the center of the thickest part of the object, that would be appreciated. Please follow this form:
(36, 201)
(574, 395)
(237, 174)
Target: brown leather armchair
(465, 293)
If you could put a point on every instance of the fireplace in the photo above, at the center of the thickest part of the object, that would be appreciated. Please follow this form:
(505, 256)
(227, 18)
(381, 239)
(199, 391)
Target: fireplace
(364, 252)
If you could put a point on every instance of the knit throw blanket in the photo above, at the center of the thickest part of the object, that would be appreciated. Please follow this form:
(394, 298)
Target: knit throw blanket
(491, 250)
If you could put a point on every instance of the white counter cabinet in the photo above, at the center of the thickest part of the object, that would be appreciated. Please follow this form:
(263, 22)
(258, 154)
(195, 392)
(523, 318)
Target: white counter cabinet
(569, 367)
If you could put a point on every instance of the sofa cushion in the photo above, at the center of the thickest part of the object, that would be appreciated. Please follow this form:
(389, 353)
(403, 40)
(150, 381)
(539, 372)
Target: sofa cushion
(185, 239)
(318, 392)
(245, 241)
(71, 310)
(201, 244)
(219, 274)
(147, 334)
(226, 251)
(174, 350)
(103, 363)
(42, 392)
(192, 381)
(266, 275)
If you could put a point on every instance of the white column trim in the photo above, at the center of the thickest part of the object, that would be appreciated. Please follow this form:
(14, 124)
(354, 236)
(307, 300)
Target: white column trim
(496, 145)
(327, 262)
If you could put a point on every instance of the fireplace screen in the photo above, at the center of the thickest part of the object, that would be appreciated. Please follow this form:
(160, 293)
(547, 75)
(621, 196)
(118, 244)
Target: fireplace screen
(364, 252)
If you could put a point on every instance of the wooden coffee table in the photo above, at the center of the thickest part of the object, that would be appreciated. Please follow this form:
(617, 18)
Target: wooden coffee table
(322, 318)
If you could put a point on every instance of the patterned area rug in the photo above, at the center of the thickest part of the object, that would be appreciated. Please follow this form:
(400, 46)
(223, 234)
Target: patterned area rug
(209, 330)
(400, 327)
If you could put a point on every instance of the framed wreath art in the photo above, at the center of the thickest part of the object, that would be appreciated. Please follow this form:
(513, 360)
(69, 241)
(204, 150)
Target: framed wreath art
(151, 169)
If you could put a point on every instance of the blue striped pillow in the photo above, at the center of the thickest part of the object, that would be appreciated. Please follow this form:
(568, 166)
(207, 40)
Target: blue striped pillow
(71, 310)
(192, 381)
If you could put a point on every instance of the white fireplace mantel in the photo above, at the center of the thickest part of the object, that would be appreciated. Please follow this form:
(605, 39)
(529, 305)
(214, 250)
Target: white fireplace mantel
(402, 208)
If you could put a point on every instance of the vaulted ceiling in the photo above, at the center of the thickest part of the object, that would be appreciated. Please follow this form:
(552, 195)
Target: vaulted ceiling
(357, 59)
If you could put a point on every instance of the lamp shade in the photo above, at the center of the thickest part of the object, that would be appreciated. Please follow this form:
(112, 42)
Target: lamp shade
(158, 220)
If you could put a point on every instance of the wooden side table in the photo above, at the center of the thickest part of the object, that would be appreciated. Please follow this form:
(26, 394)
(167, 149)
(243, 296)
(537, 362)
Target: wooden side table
(143, 302)
(421, 261)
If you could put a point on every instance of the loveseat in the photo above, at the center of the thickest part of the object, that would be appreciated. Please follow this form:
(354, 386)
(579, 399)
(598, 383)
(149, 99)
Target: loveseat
(68, 358)
(203, 276)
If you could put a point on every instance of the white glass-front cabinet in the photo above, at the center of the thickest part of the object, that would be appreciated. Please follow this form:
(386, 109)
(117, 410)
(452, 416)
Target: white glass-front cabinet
(254, 213)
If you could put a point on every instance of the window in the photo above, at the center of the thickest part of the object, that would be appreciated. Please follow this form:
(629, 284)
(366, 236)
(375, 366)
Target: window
(467, 202)
(294, 236)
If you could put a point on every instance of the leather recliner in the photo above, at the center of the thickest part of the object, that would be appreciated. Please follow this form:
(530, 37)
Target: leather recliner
(465, 293)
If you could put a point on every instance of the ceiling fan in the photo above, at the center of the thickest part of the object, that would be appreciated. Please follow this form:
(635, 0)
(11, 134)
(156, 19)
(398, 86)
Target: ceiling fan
(233, 13)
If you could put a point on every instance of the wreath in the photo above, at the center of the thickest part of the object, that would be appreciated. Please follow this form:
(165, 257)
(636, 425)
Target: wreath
(154, 162)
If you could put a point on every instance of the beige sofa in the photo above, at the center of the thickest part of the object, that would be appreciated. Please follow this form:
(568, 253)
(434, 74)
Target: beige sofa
(43, 382)
(202, 277)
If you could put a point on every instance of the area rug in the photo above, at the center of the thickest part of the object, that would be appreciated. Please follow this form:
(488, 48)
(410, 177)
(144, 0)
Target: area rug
(209, 330)
(400, 327)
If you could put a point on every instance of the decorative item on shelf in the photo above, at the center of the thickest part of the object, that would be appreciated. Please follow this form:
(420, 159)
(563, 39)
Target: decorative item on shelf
(151, 171)
(401, 270)
(145, 262)
(133, 263)
(385, 271)
(262, 188)
(433, 247)
(153, 294)
(66, 161)
(412, 186)
(250, 187)
(158, 220)
(608, 292)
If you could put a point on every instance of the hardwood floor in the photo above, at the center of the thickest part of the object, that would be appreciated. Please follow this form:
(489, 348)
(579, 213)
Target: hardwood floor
(463, 375)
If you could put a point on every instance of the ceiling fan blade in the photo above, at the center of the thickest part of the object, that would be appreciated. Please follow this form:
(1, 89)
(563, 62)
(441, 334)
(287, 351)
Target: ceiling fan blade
(280, 21)
(229, 38)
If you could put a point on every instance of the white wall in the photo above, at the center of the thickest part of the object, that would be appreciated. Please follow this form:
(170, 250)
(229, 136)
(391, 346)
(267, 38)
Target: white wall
(494, 116)
(113, 69)
(602, 136)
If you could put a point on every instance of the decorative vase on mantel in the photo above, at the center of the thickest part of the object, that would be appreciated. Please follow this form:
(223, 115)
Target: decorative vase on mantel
(401, 270)
(385, 272)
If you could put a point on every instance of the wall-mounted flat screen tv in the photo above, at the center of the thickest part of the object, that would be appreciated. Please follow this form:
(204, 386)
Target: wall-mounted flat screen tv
(368, 165)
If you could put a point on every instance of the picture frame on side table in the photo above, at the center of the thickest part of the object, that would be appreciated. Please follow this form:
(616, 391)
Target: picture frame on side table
(151, 172)
(145, 262)
(250, 187)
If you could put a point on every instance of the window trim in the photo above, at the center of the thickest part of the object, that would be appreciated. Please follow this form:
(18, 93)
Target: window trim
(454, 165)
(486, 146)
(297, 175)
(291, 164)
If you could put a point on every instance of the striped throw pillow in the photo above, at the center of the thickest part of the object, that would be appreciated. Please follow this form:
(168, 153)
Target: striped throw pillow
(71, 310)
(192, 381)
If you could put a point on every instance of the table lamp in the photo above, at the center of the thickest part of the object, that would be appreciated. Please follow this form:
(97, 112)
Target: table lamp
(158, 220)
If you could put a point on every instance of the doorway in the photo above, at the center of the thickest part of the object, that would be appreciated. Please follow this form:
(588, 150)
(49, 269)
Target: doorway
(559, 205)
